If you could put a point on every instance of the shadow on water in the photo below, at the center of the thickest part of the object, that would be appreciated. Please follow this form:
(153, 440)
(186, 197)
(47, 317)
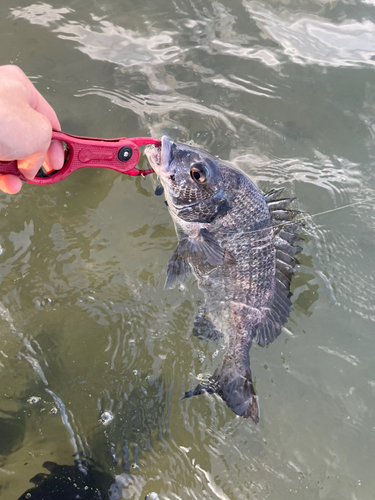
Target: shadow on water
(112, 454)
(83, 481)
(79, 481)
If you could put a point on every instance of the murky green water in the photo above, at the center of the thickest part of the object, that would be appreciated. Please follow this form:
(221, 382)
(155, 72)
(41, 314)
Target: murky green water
(286, 91)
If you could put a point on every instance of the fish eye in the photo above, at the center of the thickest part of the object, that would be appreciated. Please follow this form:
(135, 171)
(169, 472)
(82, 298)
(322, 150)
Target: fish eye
(198, 173)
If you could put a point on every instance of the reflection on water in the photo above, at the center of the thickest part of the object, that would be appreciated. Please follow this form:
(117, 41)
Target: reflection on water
(95, 355)
(107, 41)
(316, 40)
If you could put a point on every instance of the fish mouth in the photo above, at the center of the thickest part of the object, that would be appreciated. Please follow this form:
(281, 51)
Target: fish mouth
(159, 157)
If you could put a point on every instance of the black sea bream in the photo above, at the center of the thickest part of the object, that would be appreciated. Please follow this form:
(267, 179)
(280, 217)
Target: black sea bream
(239, 245)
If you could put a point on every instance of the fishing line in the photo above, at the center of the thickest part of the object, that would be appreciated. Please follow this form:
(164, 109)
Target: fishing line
(307, 216)
(341, 208)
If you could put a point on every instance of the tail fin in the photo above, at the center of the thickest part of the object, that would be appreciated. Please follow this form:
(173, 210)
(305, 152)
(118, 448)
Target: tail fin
(234, 385)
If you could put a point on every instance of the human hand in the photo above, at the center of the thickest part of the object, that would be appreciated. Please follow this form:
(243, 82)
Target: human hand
(26, 123)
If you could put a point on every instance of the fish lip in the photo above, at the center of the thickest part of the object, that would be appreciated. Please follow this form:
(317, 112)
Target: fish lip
(160, 157)
(166, 146)
(165, 167)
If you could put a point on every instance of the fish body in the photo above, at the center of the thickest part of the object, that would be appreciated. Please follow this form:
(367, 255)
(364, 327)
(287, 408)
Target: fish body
(227, 238)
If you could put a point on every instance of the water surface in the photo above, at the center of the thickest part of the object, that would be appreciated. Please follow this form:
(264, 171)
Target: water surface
(283, 90)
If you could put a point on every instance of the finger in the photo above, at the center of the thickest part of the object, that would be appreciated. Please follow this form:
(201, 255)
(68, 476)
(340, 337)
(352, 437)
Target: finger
(36, 131)
(55, 156)
(10, 184)
(29, 166)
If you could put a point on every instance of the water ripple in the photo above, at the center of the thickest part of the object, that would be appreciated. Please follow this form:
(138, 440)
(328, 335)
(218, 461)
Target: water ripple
(153, 104)
(337, 177)
(341, 253)
(107, 42)
(310, 40)
(266, 56)
(42, 13)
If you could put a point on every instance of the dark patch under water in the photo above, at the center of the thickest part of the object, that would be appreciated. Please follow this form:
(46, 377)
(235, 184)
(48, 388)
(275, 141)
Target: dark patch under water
(81, 481)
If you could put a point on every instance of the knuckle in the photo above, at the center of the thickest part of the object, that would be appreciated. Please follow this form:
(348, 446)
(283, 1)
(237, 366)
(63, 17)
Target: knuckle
(14, 71)
(46, 131)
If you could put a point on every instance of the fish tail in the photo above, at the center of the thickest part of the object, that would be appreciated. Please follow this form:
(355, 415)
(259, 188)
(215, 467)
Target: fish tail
(233, 383)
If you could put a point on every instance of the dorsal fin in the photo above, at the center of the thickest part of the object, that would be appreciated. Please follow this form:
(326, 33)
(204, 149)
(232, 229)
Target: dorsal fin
(273, 194)
(285, 235)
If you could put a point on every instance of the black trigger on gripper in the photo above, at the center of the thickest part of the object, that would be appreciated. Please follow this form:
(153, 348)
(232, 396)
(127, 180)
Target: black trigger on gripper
(41, 173)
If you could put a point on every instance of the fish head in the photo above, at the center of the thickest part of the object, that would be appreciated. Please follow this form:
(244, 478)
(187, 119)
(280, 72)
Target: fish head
(197, 187)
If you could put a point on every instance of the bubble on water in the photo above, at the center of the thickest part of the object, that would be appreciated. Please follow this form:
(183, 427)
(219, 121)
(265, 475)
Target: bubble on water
(201, 356)
(182, 287)
(1, 249)
(152, 496)
(46, 302)
(41, 303)
(135, 372)
(33, 400)
(37, 303)
(53, 410)
(106, 417)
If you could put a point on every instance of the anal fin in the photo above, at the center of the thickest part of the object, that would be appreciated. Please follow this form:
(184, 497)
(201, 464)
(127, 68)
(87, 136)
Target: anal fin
(233, 383)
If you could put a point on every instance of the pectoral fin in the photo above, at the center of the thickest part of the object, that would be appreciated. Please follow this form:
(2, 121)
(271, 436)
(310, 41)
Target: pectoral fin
(202, 252)
(206, 249)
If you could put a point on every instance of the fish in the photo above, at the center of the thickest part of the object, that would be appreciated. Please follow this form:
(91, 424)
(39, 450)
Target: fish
(239, 245)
